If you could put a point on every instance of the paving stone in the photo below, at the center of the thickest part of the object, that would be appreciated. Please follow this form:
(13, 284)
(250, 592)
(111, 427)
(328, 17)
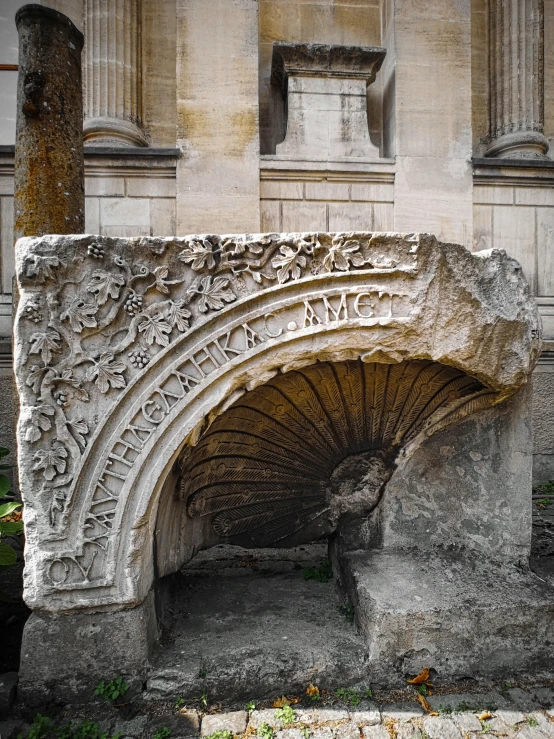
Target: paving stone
(267, 716)
(401, 711)
(234, 721)
(8, 689)
(544, 723)
(441, 728)
(347, 731)
(466, 721)
(499, 727)
(375, 732)
(321, 734)
(289, 734)
(180, 724)
(522, 699)
(407, 731)
(367, 717)
(511, 718)
(321, 715)
(531, 732)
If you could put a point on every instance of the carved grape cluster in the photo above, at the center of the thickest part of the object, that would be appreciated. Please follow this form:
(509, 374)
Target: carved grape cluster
(61, 398)
(33, 313)
(133, 304)
(139, 358)
(96, 251)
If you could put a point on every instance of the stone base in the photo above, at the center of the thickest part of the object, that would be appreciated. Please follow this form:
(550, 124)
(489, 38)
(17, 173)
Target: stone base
(449, 612)
(64, 657)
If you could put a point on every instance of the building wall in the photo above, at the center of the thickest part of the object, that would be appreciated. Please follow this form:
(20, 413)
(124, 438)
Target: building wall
(213, 122)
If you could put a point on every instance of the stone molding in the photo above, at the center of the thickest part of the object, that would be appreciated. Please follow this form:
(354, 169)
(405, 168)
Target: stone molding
(516, 40)
(113, 73)
(126, 349)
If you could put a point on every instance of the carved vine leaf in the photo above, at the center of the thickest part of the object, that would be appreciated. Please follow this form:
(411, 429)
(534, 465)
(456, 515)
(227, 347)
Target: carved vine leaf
(39, 422)
(44, 343)
(198, 254)
(214, 294)
(290, 264)
(51, 461)
(42, 266)
(80, 315)
(107, 372)
(178, 316)
(105, 285)
(79, 427)
(160, 273)
(34, 378)
(155, 329)
(342, 254)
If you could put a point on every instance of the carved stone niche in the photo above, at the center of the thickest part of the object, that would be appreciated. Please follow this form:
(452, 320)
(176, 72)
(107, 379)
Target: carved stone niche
(266, 390)
(325, 94)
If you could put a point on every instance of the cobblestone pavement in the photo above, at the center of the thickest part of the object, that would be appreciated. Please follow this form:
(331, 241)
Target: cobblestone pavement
(514, 713)
(508, 712)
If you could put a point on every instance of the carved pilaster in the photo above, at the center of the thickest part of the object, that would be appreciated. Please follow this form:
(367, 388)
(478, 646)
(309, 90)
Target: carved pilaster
(113, 73)
(516, 79)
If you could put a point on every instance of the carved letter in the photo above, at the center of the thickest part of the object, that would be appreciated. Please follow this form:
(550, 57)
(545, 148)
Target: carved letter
(268, 332)
(310, 316)
(358, 304)
(226, 348)
(198, 360)
(187, 382)
(343, 308)
(135, 431)
(163, 394)
(251, 337)
(149, 415)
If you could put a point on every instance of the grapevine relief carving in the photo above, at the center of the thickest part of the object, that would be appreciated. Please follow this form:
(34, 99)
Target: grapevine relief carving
(94, 332)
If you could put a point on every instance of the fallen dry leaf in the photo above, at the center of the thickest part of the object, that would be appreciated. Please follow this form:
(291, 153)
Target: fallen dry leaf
(282, 701)
(312, 689)
(485, 715)
(425, 705)
(421, 678)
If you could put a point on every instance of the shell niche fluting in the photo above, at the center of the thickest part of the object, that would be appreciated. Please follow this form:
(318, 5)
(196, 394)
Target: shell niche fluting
(262, 471)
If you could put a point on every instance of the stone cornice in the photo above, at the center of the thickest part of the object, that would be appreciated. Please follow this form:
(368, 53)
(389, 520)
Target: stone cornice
(325, 61)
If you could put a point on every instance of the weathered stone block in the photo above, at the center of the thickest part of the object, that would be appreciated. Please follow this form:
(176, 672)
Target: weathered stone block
(418, 609)
(65, 656)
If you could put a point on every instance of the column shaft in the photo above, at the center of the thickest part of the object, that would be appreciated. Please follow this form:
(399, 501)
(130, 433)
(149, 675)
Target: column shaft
(49, 170)
(516, 39)
(113, 73)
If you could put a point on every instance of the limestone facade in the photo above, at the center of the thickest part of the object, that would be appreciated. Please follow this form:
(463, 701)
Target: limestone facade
(201, 129)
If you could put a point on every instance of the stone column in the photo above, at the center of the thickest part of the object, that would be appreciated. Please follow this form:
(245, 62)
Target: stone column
(113, 73)
(49, 170)
(516, 39)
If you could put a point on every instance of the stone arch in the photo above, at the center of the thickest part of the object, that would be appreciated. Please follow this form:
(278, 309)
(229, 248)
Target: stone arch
(383, 315)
